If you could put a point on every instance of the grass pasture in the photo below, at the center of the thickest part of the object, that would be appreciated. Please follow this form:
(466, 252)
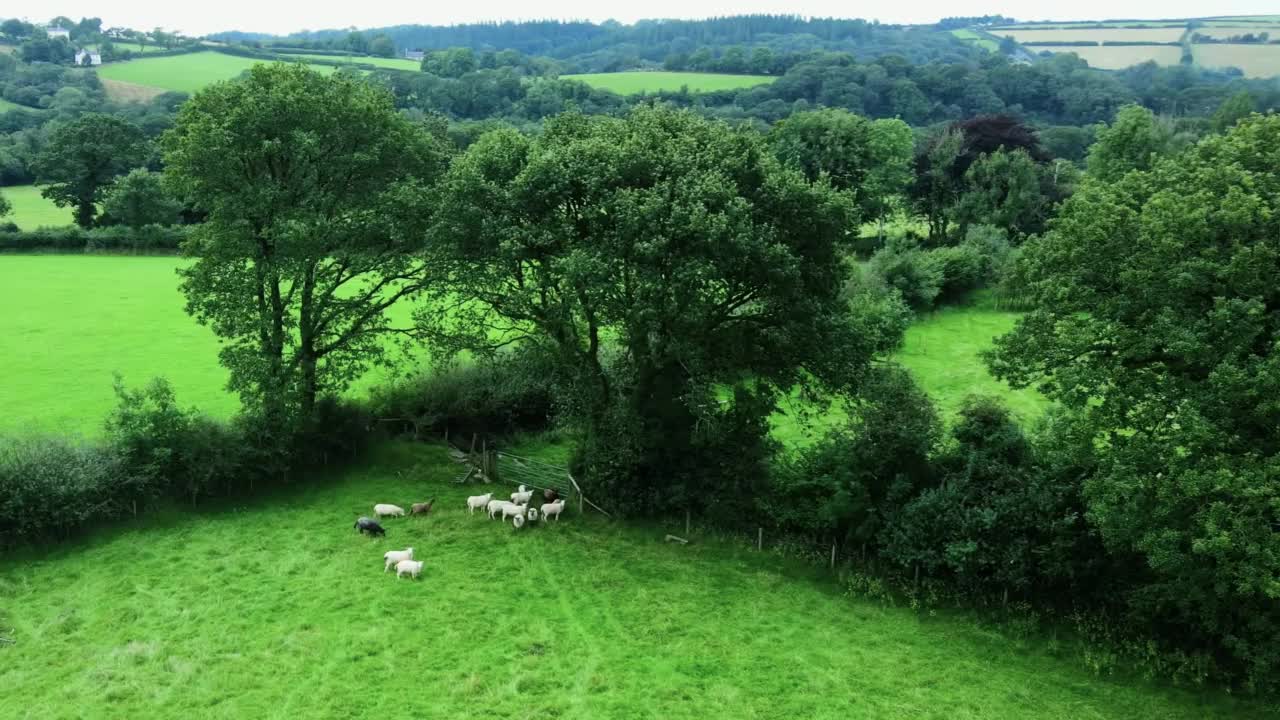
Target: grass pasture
(1257, 61)
(974, 38)
(277, 608)
(1065, 35)
(78, 319)
(1118, 57)
(31, 210)
(6, 106)
(134, 47)
(631, 83)
(185, 73)
(392, 63)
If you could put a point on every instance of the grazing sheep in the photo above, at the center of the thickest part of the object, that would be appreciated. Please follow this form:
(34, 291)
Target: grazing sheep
(409, 566)
(365, 525)
(512, 510)
(518, 521)
(496, 506)
(478, 502)
(382, 510)
(396, 556)
(555, 508)
(422, 508)
(521, 497)
(532, 515)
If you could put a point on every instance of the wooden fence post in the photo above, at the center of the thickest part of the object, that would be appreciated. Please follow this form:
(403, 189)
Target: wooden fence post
(686, 522)
(759, 539)
(833, 554)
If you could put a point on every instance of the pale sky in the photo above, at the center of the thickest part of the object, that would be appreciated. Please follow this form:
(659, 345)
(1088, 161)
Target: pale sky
(274, 16)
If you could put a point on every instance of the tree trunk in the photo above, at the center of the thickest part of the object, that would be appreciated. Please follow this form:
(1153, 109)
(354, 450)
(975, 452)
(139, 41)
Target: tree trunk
(85, 211)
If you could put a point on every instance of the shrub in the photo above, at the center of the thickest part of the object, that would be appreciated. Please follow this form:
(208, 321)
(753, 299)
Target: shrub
(903, 266)
(51, 486)
(512, 393)
(150, 238)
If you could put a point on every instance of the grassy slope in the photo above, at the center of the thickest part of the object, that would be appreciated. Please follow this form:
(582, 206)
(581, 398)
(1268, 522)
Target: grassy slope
(628, 83)
(1118, 57)
(31, 211)
(185, 73)
(973, 37)
(6, 106)
(279, 609)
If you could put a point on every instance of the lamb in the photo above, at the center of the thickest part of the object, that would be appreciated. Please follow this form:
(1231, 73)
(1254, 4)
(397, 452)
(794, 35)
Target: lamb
(555, 508)
(496, 506)
(422, 508)
(365, 525)
(521, 497)
(409, 566)
(518, 521)
(532, 515)
(512, 509)
(396, 556)
(476, 502)
(383, 509)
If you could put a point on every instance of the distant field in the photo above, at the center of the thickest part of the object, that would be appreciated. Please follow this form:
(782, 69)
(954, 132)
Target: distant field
(1171, 34)
(1223, 33)
(31, 211)
(392, 63)
(129, 92)
(134, 47)
(629, 83)
(6, 106)
(1257, 61)
(1118, 58)
(185, 73)
(1087, 25)
(976, 39)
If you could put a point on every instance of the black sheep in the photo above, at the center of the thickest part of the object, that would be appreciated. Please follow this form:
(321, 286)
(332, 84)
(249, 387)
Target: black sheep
(364, 525)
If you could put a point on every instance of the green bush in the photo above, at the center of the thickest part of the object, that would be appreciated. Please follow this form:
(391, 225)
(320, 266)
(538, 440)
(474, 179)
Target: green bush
(913, 272)
(513, 393)
(49, 487)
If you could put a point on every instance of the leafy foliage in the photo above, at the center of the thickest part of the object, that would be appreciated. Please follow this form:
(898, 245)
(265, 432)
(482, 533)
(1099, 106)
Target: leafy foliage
(83, 158)
(310, 185)
(1153, 323)
(139, 199)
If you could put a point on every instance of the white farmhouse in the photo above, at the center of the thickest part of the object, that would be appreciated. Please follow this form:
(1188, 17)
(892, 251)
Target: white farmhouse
(88, 57)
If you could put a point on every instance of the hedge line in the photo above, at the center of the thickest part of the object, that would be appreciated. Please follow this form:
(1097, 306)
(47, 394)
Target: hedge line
(150, 238)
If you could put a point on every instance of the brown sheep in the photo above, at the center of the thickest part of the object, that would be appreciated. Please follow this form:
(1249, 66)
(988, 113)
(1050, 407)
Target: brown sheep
(422, 508)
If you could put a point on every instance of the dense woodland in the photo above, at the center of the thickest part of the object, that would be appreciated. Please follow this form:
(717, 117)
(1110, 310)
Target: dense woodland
(655, 275)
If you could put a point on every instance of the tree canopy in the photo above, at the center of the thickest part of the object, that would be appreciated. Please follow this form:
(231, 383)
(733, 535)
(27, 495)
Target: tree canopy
(83, 158)
(306, 180)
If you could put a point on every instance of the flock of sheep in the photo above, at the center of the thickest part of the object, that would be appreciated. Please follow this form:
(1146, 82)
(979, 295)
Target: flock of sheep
(517, 508)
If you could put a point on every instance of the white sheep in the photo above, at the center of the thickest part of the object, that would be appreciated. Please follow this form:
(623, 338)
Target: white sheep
(518, 521)
(384, 510)
(496, 506)
(532, 515)
(396, 556)
(408, 566)
(512, 510)
(478, 502)
(521, 497)
(553, 508)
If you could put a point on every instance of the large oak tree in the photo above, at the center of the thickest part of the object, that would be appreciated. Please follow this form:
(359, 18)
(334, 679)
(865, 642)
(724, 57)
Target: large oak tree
(306, 181)
(670, 262)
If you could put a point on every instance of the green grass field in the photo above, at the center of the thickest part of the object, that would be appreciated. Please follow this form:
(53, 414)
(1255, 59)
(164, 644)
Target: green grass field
(76, 320)
(1169, 34)
(134, 48)
(277, 608)
(184, 73)
(1257, 61)
(6, 106)
(392, 63)
(630, 83)
(1118, 57)
(31, 211)
(973, 37)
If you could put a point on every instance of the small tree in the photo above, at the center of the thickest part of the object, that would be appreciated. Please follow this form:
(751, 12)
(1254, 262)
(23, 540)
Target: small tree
(83, 158)
(1132, 142)
(5, 206)
(1003, 190)
(140, 198)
